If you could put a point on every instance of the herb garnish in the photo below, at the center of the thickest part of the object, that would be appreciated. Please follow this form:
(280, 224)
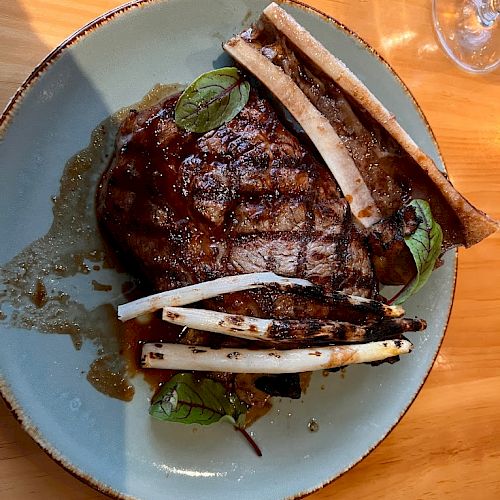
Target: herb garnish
(212, 99)
(190, 400)
(425, 246)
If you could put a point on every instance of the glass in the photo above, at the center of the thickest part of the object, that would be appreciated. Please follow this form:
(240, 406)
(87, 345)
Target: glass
(469, 32)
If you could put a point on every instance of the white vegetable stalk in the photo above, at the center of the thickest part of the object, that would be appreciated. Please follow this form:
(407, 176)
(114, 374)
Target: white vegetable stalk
(299, 332)
(185, 357)
(365, 304)
(235, 325)
(205, 290)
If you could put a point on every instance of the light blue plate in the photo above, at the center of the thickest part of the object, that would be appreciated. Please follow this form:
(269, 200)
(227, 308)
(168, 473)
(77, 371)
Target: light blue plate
(115, 445)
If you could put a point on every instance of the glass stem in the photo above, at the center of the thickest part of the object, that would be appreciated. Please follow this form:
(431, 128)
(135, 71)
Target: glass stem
(487, 11)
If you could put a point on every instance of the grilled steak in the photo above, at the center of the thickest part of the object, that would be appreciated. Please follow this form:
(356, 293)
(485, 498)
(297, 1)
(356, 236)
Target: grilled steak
(184, 208)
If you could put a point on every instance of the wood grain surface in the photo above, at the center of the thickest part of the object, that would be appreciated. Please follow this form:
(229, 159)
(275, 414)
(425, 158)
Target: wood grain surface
(448, 443)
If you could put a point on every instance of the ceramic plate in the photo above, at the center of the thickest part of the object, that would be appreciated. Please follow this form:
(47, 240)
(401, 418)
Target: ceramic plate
(115, 445)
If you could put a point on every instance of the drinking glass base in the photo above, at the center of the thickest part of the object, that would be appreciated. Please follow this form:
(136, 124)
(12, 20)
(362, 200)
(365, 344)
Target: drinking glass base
(472, 43)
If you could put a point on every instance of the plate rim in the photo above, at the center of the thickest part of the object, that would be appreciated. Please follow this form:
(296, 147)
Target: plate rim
(8, 115)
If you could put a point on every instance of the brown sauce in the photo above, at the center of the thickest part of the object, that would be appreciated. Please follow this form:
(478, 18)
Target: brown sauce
(150, 329)
(39, 295)
(108, 375)
(101, 287)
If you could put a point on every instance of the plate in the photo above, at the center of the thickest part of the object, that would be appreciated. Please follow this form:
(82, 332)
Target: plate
(113, 445)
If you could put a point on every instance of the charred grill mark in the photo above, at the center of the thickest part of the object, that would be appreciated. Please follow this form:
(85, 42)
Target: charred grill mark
(343, 333)
(310, 224)
(313, 302)
(338, 276)
(290, 332)
(172, 315)
(372, 308)
(281, 330)
(396, 327)
(302, 256)
(196, 350)
(312, 329)
(236, 320)
(270, 262)
(156, 355)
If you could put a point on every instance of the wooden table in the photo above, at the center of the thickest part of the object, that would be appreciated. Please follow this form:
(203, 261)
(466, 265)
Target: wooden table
(448, 443)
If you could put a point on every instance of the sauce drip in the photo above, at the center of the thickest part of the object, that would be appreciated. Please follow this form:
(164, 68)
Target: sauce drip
(108, 375)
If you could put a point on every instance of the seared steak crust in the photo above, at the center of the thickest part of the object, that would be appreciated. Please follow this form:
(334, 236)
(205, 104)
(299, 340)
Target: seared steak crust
(247, 197)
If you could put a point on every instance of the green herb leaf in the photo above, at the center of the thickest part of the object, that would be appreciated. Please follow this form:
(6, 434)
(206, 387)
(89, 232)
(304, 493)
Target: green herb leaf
(212, 99)
(425, 247)
(189, 400)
